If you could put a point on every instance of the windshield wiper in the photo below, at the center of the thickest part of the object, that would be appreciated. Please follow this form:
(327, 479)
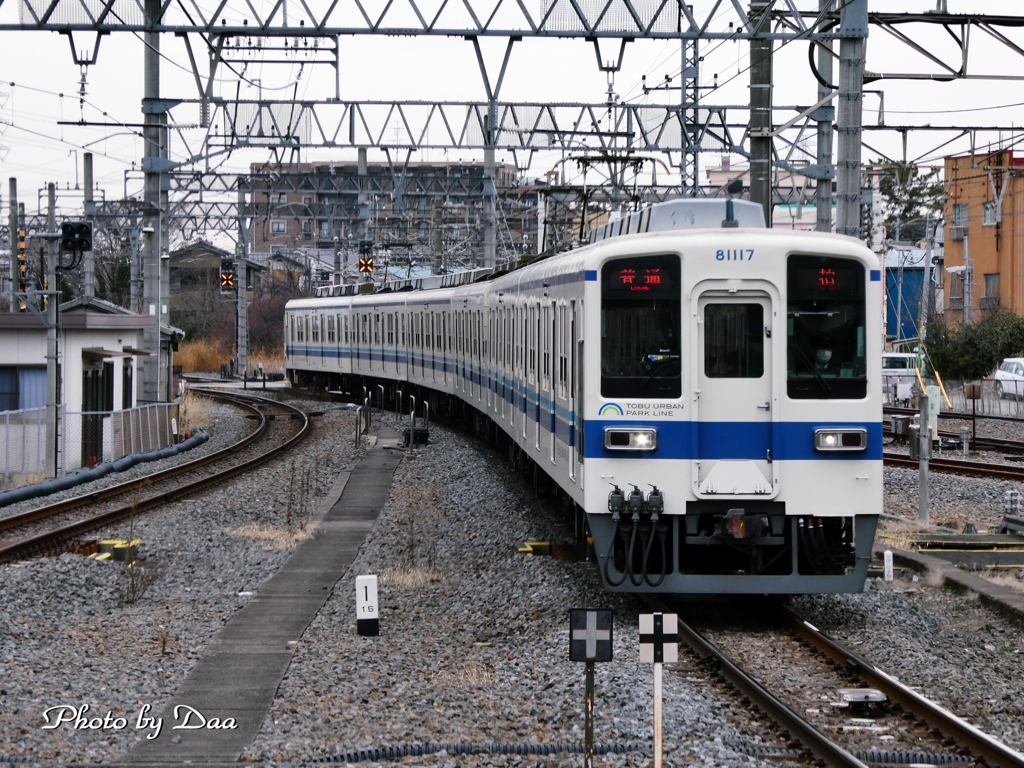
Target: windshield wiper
(810, 366)
(656, 368)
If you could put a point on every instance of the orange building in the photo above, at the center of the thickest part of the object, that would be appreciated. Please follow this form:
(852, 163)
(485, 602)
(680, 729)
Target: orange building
(984, 218)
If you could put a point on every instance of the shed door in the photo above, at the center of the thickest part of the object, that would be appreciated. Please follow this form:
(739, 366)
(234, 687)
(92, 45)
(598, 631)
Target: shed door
(734, 407)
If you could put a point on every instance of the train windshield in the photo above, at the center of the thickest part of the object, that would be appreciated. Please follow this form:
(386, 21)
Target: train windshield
(825, 328)
(640, 328)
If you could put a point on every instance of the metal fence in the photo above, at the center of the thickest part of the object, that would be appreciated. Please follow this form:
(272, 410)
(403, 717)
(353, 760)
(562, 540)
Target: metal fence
(92, 437)
(997, 398)
(24, 446)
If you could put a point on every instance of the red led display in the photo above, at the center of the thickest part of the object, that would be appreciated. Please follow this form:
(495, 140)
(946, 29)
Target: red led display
(637, 279)
(826, 279)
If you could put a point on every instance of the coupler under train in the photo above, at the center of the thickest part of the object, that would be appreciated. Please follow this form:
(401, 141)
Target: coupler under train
(727, 547)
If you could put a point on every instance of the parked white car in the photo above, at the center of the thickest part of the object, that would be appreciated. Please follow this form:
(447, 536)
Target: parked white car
(1010, 378)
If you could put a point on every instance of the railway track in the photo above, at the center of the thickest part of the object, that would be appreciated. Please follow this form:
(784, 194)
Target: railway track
(835, 703)
(958, 467)
(60, 526)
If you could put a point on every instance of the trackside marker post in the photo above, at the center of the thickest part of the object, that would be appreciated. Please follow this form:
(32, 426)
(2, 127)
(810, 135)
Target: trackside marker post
(659, 643)
(887, 565)
(590, 640)
(367, 613)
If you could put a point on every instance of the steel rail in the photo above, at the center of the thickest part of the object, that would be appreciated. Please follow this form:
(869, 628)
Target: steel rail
(823, 748)
(951, 415)
(32, 543)
(958, 467)
(994, 753)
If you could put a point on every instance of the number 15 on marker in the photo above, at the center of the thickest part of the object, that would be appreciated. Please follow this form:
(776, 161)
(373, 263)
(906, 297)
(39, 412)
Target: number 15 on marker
(366, 597)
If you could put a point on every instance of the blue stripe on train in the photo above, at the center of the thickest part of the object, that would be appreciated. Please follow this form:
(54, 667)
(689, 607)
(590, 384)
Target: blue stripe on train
(789, 440)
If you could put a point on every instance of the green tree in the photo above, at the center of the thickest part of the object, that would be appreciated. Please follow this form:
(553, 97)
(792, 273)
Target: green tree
(974, 351)
(910, 194)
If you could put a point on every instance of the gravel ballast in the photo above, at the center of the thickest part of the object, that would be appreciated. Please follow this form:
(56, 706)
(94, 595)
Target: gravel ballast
(474, 636)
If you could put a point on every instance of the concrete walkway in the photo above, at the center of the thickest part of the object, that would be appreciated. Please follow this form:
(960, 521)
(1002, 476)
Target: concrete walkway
(242, 667)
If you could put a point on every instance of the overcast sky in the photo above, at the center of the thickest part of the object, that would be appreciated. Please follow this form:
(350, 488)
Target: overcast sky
(39, 86)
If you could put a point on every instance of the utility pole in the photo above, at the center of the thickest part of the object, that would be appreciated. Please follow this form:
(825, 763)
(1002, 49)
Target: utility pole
(823, 190)
(88, 265)
(52, 298)
(435, 239)
(490, 191)
(152, 165)
(927, 292)
(242, 285)
(761, 110)
(853, 31)
(13, 224)
(968, 270)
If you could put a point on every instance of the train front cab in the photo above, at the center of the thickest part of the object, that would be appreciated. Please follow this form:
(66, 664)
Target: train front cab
(734, 462)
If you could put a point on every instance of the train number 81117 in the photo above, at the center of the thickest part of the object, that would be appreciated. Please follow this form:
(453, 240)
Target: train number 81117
(735, 254)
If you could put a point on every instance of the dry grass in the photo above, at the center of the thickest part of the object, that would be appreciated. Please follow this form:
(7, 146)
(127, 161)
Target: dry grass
(272, 359)
(192, 413)
(1014, 583)
(893, 534)
(201, 356)
(409, 578)
(276, 536)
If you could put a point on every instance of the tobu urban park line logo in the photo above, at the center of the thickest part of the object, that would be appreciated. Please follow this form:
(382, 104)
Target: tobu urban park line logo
(611, 409)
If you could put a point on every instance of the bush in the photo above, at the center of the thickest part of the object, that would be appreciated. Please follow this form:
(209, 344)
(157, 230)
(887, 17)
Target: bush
(974, 351)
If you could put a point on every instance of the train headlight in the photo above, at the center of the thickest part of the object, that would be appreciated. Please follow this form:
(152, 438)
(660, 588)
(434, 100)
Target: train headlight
(841, 439)
(625, 439)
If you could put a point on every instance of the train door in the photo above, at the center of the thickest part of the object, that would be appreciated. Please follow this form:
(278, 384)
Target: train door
(734, 385)
(577, 392)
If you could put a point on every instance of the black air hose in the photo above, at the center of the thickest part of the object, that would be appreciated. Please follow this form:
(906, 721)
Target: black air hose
(608, 560)
(818, 532)
(629, 557)
(664, 557)
(467, 748)
(806, 546)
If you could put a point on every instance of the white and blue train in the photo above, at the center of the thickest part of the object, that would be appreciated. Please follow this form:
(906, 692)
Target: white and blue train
(706, 391)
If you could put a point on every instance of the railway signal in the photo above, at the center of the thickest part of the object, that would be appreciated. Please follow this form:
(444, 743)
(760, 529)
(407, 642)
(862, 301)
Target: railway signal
(76, 236)
(227, 276)
(659, 643)
(366, 264)
(590, 640)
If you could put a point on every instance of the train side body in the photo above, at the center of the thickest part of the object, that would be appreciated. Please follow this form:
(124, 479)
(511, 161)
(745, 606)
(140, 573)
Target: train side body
(671, 383)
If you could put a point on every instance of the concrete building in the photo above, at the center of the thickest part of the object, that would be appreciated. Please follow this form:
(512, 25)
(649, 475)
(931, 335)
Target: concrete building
(984, 248)
(424, 211)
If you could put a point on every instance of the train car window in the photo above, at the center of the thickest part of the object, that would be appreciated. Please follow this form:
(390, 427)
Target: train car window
(376, 327)
(304, 329)
(291, 328)
(346, 329)
(532, 342)
(734, 341)
(562, 361)
(825, 328)
(391, 330)
(546, 362)
(330, 329)
(641, 328)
